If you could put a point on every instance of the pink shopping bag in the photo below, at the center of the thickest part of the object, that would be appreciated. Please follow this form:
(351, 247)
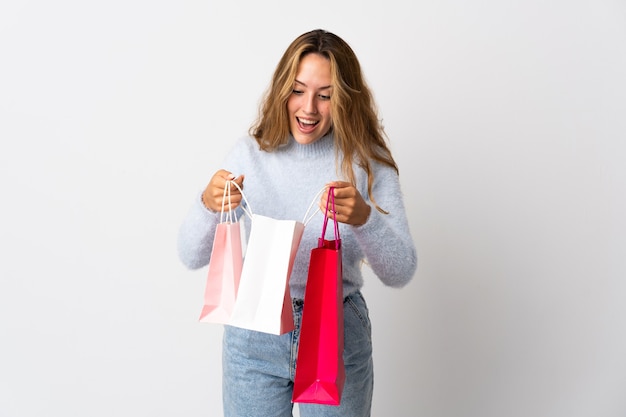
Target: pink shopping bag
(225, 267)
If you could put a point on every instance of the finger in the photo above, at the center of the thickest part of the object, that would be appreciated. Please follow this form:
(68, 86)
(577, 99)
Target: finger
(338, 184)
(235, 198)
(332, 209)
(218, 180)
(226, 175)
(346, 191)
(239, 181)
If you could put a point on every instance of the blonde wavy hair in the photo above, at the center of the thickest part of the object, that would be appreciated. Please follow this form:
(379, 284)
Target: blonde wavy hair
(358, 132)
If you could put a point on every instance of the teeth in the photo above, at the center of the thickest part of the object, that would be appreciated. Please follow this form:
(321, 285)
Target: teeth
(307, 122)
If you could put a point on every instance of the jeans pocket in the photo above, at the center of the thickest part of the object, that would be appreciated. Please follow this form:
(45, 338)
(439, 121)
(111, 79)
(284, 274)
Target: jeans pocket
(356, 312)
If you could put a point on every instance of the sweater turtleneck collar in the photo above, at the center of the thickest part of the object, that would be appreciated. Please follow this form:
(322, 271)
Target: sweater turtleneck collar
(320, 147)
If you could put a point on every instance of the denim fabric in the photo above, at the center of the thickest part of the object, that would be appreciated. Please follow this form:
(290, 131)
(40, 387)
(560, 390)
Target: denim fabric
(258, 368)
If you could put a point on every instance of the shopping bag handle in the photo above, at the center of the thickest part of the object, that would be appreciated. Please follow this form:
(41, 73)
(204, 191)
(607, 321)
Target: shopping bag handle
(331, 196)
(246, 208)
(231, 213)
(307, 216)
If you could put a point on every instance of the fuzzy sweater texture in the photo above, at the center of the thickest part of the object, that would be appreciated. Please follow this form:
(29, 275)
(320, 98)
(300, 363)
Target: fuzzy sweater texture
(282, 184)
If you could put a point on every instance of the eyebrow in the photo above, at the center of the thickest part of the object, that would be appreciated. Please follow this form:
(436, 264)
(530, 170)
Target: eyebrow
(304, 85)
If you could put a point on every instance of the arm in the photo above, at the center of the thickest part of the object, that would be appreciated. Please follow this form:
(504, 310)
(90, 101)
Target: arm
(385, 239)
(195, 236)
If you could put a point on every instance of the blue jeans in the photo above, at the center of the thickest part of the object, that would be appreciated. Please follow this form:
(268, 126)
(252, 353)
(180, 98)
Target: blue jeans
(258, 368)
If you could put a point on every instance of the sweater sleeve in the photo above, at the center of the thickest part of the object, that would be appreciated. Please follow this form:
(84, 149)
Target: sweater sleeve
(196, 233)
(195, 236)
(385, 239)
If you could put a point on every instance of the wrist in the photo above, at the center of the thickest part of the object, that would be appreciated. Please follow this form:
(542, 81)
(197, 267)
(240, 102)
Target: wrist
(205, 204)
(367, 216)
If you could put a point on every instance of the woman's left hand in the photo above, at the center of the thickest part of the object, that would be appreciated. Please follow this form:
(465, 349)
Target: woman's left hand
(350, 207)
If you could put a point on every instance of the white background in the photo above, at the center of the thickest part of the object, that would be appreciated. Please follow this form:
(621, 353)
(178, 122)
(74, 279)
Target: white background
(507, 119)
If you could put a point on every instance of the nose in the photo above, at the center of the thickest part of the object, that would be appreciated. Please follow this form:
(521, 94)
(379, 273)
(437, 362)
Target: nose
(310, 105)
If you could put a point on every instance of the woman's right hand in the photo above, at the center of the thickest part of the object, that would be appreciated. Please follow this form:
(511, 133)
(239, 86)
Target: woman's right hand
(213, 194)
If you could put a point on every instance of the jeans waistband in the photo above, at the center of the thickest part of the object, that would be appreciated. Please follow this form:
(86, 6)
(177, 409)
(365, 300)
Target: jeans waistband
(298, 302)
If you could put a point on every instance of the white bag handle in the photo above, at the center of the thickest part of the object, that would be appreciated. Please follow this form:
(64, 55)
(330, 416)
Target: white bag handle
(231, 213)
(307, 217)
(246, 209)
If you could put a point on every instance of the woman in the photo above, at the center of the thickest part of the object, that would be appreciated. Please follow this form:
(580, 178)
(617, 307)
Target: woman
(317, 127)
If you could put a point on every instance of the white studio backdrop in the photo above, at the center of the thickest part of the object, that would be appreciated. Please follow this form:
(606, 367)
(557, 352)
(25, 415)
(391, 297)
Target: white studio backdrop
(507, 122)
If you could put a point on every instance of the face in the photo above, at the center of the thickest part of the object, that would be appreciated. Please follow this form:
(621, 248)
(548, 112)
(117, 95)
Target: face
(309, 103)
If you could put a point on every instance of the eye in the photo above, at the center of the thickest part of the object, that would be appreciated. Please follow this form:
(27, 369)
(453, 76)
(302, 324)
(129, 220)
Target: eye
(323, 97)
(297, 92)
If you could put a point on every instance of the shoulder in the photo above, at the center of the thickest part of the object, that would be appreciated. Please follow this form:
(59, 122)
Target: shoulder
(244, 145)
(382, 173)
(247, 143)
(243, 153)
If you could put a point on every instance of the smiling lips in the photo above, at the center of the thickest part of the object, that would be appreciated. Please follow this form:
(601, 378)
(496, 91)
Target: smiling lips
(306, 125)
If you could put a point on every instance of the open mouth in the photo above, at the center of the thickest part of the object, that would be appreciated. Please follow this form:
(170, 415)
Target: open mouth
(307, 125)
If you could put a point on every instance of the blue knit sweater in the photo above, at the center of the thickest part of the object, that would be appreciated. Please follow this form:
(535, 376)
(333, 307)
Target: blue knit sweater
(282, 184)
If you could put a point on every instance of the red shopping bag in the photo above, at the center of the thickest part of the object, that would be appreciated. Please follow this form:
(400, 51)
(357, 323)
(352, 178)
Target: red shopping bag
(320, 372)
(224, 268)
